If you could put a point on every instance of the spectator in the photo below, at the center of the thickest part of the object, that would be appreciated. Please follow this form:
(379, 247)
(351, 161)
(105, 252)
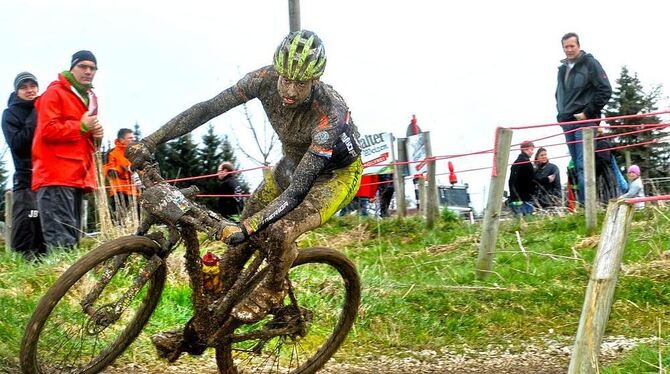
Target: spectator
(122, 189)
(548, 179)
(386, 190)
(63, 168)
(230, 207)
(635, 187)
(18, 126)
(581, 93)
(521, 181)
(608, 185)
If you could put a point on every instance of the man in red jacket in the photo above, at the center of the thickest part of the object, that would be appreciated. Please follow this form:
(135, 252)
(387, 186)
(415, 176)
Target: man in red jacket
(65, 137)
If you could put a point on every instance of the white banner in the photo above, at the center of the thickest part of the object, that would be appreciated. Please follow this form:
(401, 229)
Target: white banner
(376, 150)
(416, 151)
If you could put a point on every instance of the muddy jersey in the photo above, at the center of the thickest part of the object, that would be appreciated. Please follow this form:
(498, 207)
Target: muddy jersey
(317, 136)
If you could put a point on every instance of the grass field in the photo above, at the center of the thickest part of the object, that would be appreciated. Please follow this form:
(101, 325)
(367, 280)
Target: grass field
(420, 292)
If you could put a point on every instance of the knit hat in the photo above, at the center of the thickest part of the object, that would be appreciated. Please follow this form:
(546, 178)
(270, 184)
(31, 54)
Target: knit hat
(634, 169)
(527, 144)
(22, 77)
(82, 56)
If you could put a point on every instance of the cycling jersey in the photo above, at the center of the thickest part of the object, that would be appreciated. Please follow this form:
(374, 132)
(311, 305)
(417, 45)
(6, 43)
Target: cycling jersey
(317, 137)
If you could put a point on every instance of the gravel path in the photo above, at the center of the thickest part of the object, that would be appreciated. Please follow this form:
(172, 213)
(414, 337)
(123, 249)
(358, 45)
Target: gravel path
(545, 356)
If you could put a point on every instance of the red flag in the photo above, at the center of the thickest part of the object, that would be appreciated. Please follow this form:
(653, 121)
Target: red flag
(452, 174)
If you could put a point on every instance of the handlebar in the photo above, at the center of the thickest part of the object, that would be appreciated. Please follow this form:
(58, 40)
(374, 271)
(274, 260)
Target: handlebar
(172, 206)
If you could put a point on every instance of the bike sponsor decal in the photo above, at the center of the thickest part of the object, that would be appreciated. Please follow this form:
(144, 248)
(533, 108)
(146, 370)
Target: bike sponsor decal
(275, 213)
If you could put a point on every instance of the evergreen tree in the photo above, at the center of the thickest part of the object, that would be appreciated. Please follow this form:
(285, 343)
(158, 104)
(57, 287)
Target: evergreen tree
(629, 98)
(182, 160)
(210, 159)
(137, 132)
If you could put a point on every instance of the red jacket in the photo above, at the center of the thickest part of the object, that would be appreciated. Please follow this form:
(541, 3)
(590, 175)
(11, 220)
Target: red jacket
(118, 162)
(62, 155)
(369, 185)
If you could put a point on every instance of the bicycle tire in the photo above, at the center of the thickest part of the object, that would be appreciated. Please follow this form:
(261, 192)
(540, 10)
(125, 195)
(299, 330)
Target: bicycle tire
(345, 320)
(31, 360)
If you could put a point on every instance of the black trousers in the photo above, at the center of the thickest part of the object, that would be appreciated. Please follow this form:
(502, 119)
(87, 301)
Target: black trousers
(27, 236)
(60, 215)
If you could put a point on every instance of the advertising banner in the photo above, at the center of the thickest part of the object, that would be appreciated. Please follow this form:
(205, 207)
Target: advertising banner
(376, 150)
(416, 154)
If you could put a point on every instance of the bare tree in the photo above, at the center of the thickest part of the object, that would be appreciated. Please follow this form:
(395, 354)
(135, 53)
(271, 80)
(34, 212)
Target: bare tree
(264, 145)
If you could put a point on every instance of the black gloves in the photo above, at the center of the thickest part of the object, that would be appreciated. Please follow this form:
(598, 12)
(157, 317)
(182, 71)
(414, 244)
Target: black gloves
(233, 234)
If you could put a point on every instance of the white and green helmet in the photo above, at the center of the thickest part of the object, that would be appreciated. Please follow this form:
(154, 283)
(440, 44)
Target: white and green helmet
(300, 56)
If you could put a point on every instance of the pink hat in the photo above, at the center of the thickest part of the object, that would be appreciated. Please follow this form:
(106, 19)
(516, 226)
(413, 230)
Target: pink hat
(634, 169)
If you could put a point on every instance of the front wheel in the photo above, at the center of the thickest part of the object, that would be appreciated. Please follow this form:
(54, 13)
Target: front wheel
(95, 309)
(327, 290)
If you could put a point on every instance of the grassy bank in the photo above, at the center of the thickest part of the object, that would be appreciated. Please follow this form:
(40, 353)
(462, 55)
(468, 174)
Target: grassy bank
(419, 289)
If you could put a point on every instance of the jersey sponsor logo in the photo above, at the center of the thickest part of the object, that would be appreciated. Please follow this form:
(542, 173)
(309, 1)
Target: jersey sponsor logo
(321, 151)
(346, 140)
(321, 137)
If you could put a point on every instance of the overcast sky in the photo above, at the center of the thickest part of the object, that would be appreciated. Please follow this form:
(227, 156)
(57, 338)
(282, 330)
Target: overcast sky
(462, 67)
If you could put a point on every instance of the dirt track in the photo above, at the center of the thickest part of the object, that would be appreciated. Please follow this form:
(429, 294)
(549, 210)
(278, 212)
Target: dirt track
(546, 357)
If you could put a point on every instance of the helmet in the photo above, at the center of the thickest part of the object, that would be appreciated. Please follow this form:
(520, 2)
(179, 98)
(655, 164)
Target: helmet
(300, 56)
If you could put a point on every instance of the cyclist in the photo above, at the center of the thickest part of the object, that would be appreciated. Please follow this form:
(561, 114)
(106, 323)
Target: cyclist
(318, 174)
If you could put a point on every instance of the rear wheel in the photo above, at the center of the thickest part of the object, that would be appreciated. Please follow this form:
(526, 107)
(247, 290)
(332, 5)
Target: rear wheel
(80, 326)
(327, 289)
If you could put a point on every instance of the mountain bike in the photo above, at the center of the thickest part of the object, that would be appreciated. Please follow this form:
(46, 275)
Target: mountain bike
(101, 303)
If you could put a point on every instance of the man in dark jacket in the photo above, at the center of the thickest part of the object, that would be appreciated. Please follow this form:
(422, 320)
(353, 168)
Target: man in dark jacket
(548, 181)
(230, 206)
(581, 93)
(521, 181)
(18, 126)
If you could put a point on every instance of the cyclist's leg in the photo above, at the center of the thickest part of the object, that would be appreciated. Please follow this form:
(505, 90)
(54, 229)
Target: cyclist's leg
(233, 260)
(324, 199)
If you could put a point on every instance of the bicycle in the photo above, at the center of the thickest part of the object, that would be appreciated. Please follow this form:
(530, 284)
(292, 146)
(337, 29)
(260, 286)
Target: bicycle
(101, 303)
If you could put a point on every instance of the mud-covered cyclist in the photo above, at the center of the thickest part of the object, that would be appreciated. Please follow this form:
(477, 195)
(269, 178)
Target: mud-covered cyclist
(318, 174)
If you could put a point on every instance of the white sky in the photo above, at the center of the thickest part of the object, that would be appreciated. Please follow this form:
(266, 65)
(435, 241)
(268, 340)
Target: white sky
(462, 67)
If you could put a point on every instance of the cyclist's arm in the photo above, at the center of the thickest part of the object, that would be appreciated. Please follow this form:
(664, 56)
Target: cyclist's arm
(302, 180)
(248, 88)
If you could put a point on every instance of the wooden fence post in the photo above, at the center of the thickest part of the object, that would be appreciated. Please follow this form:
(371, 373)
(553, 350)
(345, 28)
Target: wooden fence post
(399, 178)
(590, 197)
(491, 222)
(9, 204)
(421, 188)
(626, 154)
(600, 291)
(432, 201)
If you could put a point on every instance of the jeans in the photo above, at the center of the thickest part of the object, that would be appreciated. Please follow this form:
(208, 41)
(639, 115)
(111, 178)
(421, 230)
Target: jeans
(621, 181)
(576, 150)
(520, 208)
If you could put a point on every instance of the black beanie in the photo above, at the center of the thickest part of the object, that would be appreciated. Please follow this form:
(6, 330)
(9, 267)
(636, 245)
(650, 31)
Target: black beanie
(22, 77)
(82, 56)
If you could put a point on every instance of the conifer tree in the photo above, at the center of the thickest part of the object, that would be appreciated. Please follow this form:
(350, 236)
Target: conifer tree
(182, 160)
(629, 98)
(210, 159)
(137, 132)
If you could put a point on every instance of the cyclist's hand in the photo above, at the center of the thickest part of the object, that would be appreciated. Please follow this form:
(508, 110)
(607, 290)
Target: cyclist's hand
(233, 234)
(139, 154)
